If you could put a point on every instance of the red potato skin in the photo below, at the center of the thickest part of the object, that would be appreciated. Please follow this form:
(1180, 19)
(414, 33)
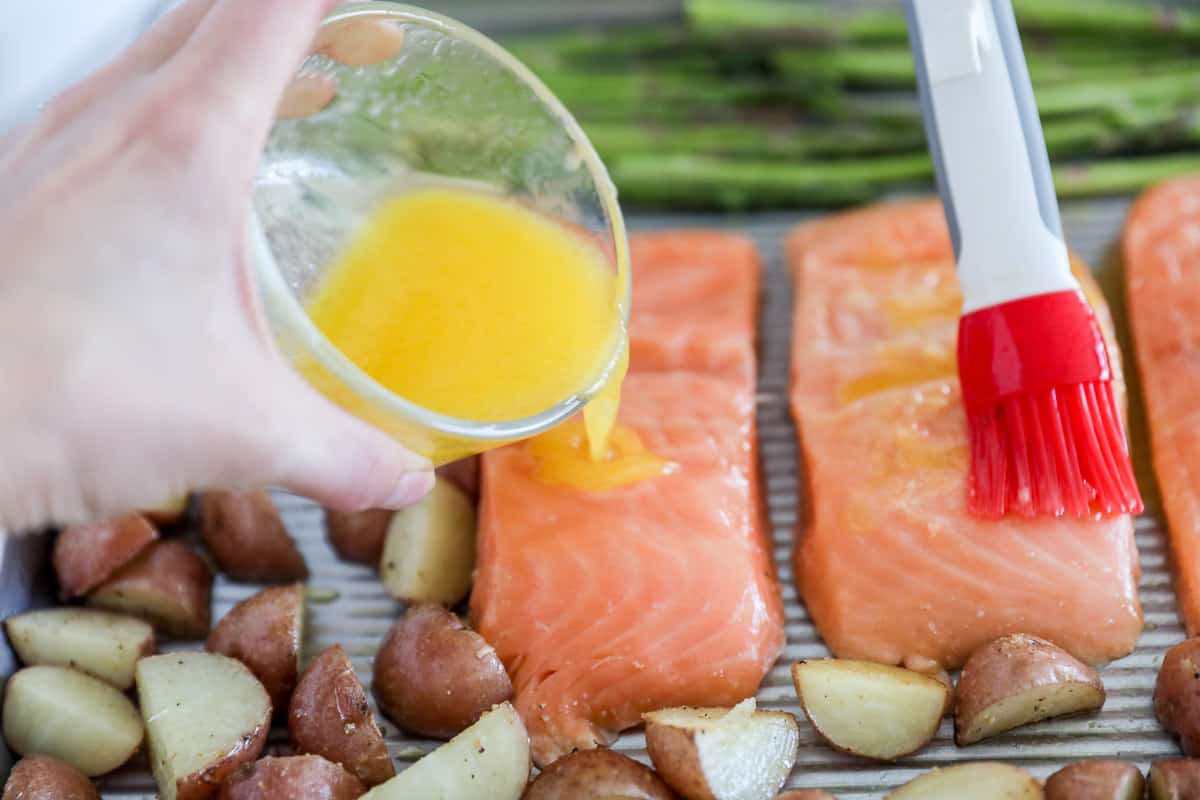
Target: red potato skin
(46, 778)
(597, 775)
(206, 784)
(1175, 779)
(246, 536)
(358, 536)
(1096, 780)
(464, 474)
(1177, 694)
(330, 716)
(436, 677)
(307, 777)
(85, 556)
(264, 633)
(172, 569)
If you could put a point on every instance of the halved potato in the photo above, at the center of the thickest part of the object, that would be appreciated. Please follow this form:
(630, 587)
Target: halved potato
(734, 753)
(1096, 780)
(980, 780)
(360, 41)
(247, 537)
(87, 555)
(330, 716)
(265, 632)
(429, 553)
(169, 513)
(464, 474)
(487, 761)
(1177, 694)
(46, 778)
(100, 643)
(1175, 779)
(168, 585)
(206, 715)
(871, 710)
(55, 711)
(434, 676)
(358, 535)
(299, 777)
(599, 774)
(1017, 680)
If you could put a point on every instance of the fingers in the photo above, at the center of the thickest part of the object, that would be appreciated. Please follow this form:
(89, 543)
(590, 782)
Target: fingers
(338, 460)
(243, 55)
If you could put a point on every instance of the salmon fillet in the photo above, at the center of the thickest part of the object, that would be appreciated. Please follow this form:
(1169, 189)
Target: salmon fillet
(604, 605)
(890, 563)
(1161, 249)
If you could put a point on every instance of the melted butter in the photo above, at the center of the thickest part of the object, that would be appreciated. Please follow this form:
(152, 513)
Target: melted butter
(900, 367)
(564, 457)
(940, 303)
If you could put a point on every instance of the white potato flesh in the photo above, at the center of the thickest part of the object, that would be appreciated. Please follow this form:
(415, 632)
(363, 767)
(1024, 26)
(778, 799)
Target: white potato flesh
(487, 761)
(429, 551)
(1032, 705)
(732, 754)
(102, 644)
(869, 709)
(982, 780)
(55, 711)
(201, 709)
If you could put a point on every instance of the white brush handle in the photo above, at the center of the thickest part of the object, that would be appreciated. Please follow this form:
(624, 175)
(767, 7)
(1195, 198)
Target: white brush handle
(988, 151)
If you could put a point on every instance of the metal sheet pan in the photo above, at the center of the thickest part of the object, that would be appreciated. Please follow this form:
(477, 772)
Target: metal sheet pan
(360, 612)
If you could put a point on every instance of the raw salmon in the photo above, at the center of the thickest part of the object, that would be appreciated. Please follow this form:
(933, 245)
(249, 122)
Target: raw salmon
(889, 562)
(604, 605)
(1161, 248)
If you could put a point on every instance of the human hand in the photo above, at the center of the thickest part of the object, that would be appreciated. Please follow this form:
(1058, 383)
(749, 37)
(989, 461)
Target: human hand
(134, 360)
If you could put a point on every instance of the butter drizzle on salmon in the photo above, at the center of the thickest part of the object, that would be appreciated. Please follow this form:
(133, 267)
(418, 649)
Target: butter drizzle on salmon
(604, 605)
(890, 564)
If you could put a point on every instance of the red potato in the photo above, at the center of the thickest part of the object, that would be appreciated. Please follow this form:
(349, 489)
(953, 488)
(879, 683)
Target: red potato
(265, 632)
(1096, 780)
(1177, 694)
(464, 474)
(358, 42)
(169, 586)
(87, 555)
(246, 535)
(598, 775)
(358, 535)
(1174, 779)
(170, 513)
(299, 777)
(104, 645)
(46, 778)
(330, 716)
(434, 676)
(308, 93)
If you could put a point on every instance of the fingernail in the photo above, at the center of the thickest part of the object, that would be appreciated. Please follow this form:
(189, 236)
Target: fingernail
(410, 488)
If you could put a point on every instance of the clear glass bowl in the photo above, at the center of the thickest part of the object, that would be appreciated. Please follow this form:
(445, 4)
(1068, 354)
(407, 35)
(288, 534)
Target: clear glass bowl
(449, 106)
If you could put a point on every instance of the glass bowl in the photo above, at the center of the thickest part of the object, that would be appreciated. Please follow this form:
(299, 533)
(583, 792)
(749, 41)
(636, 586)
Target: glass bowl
(448, 106)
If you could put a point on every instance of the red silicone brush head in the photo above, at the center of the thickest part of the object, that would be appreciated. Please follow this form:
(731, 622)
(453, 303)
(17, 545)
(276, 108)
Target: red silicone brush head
(1046, 433)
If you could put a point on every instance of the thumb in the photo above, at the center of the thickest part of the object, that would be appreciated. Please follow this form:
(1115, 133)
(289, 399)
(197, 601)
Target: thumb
(338, 460)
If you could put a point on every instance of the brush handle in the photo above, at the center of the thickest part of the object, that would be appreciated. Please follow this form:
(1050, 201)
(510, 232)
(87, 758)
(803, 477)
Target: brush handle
(988, 151)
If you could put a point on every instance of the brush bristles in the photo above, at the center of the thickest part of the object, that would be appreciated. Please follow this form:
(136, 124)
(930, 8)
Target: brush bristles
(1058, 452)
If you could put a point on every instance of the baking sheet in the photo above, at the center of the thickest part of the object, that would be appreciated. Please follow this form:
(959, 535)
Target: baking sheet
(359, 613)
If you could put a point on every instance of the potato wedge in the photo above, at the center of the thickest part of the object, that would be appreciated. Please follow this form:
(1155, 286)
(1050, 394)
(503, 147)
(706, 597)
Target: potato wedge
(46, 778)
(722, 753)
(1177, 694)
(434, 676)
(265, 632)
(360, 41)
(330, 716)
(464, 474)
(99, 643)
(246, 536)
(1017, 680)
(1096, 780)
(87, 555)
(1175, 779)
(870, 710)
(599, 774)
(172, 512)
(358, 535)
(806, 794)
(168, 585)
(979, 780)
(487, 761)
(300, 777)
(55, 711)
(429, 553)
(206, 715)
